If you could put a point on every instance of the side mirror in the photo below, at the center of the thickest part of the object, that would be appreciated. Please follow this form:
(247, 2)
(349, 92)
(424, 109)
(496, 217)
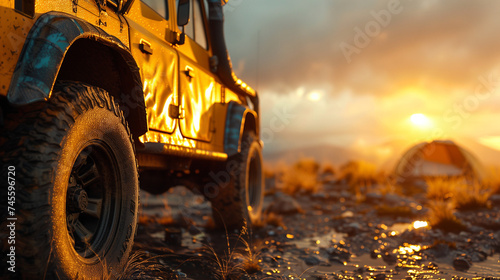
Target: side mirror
(183, 12)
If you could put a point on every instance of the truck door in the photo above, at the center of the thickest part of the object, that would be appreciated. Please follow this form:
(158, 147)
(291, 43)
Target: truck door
(197, 85)
(150, 28)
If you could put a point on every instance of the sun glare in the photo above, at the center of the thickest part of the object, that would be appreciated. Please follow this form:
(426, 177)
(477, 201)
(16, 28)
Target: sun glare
(314, 96)
(491, 141)
(420, 120)
(420, 224)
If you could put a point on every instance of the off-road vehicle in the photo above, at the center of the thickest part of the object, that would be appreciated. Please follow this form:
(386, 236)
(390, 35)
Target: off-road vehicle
(101, 97)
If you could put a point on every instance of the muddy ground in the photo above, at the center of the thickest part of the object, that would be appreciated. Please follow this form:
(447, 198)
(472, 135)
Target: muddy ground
(331, 234)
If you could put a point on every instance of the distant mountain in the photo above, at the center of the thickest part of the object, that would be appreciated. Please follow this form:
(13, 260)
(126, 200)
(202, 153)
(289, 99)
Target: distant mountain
(486, 155)
(324, 153)
(384, 155)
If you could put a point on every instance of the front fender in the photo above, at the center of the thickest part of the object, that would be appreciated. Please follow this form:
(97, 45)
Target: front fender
(238, 119)
(43, 54)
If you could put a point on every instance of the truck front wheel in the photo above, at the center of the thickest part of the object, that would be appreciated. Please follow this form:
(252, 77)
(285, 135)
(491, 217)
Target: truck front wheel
(77, 185)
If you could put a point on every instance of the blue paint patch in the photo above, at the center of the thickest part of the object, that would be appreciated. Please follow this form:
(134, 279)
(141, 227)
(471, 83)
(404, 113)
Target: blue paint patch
(59, 40)
(43, 53)
(234, 118)
(78, 25)
(41, 62)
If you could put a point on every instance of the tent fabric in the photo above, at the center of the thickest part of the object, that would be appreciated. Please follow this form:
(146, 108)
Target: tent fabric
(437, 158)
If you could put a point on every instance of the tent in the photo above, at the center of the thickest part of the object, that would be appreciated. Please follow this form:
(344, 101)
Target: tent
(437, 159)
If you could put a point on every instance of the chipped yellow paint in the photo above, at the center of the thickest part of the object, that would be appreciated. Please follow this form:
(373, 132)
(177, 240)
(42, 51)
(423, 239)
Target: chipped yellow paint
(201, 100)
(16, 26)
(13, 33)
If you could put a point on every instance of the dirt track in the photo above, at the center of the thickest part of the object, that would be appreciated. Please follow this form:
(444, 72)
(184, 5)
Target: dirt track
(327, 235)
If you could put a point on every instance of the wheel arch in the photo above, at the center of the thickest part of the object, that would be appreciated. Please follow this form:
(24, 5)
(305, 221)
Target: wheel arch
(239, 120)
(53, 50)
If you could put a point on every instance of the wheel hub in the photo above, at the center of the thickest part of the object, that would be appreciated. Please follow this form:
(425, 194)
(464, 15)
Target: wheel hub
(78, 200)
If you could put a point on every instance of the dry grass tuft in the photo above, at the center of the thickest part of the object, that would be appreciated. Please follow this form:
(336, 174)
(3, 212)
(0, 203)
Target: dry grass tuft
(227, 265)
(140, 263)
(301, 177)
(251, 266)
(270, 218)
(492, 179)
(395, 211)
(441, 217)
(442, 188)
(464, 194)
(361, 176)
(471, 197)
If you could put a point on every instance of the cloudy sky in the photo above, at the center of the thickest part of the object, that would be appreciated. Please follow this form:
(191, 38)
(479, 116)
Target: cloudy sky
(352, 73)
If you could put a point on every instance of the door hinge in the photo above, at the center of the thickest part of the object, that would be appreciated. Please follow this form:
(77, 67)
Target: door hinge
(175, 111)
(75, 6)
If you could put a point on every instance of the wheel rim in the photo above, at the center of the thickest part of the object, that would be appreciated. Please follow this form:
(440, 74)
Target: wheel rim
(254, 186)
(92, 200)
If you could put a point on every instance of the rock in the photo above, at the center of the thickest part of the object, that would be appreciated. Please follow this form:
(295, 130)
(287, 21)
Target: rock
(312, 260)
(373, 198)
(345, 194)
(495, 199)
(389, 258)
(462, 263)
(347, 214)
(352, 228)
(380, 277)
(432, 266)
(320, 196)
(338, 252)
(181, 274)
(173, 236)
(440, 250)
(284, 204)
(335, 259)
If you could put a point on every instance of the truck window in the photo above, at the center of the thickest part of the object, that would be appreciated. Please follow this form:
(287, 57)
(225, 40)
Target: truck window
(195, 29)
(159, 6)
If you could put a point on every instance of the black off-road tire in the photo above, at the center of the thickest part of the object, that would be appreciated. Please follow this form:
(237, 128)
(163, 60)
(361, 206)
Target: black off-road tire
(239, 203)
(76, 185)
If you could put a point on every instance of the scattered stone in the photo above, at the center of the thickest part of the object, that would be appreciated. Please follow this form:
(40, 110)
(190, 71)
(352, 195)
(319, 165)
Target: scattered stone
(347, 214)
(284, 204)
(389, 258)
(312, 261)
(395, 200)
(440, 250)
(338, 252)
(495, 199)
(432, 266)
(320, 196)
(462, 263)
(173, 236)
(353, 229)
(373, 198)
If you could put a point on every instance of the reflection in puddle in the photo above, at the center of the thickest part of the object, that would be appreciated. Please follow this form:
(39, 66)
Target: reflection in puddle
(325, 240)
(402, 261)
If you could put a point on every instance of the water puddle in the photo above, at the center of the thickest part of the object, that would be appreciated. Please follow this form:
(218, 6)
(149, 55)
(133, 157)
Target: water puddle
(403, 261)
(325, 240)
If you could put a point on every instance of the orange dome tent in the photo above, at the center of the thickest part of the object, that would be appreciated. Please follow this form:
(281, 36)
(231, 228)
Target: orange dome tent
(437, 159)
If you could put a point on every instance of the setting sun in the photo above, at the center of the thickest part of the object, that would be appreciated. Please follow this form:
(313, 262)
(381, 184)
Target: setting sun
(420, 120)
(314, 96)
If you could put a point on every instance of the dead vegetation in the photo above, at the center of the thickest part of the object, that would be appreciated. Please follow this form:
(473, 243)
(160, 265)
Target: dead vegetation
(441, 216)
(300, 177)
